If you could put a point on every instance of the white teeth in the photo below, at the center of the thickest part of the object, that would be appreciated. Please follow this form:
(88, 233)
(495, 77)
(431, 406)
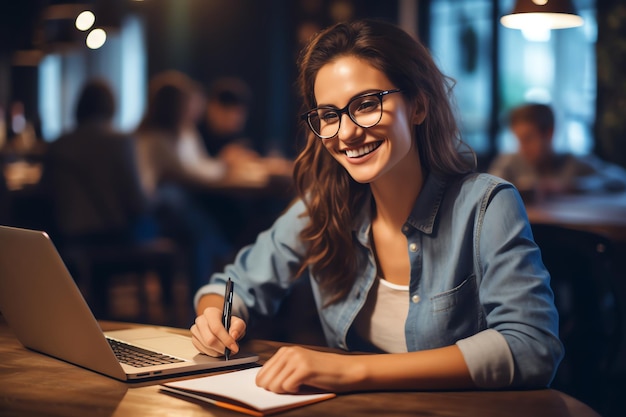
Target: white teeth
(364, 150)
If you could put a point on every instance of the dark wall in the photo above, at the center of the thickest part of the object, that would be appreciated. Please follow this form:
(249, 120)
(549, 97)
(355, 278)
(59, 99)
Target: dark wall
(610, 129)
(207, 39)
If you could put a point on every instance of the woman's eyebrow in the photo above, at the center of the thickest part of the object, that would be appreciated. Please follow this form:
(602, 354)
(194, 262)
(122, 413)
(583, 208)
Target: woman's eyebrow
(371, 90)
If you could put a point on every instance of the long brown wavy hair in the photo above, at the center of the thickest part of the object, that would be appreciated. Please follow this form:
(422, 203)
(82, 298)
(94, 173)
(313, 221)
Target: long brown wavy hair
(331, 196)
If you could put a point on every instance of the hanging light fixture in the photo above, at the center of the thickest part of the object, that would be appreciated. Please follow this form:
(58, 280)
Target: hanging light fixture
(548, 14)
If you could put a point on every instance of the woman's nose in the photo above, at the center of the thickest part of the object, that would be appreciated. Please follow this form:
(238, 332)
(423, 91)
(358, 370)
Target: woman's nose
(347, 128)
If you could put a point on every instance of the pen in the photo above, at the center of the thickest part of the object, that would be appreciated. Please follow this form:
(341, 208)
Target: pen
(228, 310)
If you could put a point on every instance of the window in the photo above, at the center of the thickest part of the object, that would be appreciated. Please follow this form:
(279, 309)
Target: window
(556, 68)
(121, 61)
(552, 67)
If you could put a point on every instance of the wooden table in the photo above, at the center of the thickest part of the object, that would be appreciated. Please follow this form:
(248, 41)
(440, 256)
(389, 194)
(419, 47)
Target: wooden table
(600, 213)
(32, 384)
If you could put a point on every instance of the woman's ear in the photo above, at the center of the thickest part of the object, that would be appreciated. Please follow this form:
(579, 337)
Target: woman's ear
(420, 110)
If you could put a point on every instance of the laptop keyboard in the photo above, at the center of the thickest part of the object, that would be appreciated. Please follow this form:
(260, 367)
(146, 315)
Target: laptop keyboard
(138, 357)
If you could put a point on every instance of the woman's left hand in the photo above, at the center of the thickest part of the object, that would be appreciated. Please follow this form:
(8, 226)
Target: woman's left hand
(292, 367)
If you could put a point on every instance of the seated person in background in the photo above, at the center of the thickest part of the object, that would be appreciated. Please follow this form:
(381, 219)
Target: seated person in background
(170, 175)
(224, 123)
(92, 177)
(163, 128)
(536, 167)
(223, 130)
(190, 146)
(410, 254)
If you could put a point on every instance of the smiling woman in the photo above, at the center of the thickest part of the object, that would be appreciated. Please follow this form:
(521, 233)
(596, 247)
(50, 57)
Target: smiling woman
(383, 132)
(407, 250)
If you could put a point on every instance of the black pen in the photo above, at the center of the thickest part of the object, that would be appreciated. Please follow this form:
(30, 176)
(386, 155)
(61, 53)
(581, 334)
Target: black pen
(228, 310)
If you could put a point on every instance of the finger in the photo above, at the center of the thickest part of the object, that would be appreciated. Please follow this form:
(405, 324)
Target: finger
(203, 349)
(286, 380)
(271, 369)
(199, 341)
(266, 373)
(210, 332)
(203, 333)
(223, 337)
(292, 381)
(237, 328)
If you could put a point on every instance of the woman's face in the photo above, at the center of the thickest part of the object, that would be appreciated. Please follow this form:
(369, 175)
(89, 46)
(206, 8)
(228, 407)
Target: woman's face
(368, 154)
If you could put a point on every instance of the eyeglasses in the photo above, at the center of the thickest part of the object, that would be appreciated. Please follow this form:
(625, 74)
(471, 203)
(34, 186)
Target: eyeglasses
(365, 111)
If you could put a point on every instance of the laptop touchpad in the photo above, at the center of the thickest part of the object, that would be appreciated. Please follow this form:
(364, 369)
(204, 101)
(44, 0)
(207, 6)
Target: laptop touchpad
(172, 345)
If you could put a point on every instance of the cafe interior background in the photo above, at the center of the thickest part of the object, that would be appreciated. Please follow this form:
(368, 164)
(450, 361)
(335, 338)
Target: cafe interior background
(45, 59)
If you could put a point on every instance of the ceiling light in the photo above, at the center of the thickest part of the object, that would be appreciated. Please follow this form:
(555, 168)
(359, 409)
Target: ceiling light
(96, 38)
(548, 14)
(85, 20)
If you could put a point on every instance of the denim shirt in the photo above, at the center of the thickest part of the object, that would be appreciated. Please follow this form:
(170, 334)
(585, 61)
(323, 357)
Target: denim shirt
(474, 266)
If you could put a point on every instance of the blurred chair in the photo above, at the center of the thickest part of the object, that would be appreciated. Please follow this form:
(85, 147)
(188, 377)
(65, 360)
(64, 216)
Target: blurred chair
(582, 277)
(95, 264)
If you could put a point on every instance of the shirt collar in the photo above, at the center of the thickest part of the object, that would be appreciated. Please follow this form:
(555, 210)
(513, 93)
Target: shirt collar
(426, 207)
(422, 215)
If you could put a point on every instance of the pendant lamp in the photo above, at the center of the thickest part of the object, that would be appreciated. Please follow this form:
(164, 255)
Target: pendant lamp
(550, 14)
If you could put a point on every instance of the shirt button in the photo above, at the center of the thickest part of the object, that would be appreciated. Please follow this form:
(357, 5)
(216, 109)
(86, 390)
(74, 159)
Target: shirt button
(405, 228)
(415, 298)
(413, 247)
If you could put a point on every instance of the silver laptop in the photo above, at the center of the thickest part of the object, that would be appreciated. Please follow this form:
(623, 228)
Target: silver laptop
(42, 304)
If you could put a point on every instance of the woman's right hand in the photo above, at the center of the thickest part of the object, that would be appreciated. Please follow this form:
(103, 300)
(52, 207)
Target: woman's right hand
(209, 336)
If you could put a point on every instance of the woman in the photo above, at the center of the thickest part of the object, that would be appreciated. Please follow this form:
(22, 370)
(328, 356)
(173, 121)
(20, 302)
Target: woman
(408, 252)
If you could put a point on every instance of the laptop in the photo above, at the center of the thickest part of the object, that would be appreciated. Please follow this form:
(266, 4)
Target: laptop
(42, 304)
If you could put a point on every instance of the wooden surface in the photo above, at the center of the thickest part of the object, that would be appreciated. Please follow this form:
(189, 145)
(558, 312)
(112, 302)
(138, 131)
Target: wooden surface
(32, 384)
(600, 213)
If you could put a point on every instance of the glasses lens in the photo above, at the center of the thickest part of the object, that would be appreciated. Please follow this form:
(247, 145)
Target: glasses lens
(366, 111)
(324, 122)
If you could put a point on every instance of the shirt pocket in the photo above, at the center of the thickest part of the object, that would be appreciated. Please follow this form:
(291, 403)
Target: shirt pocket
(456, 311)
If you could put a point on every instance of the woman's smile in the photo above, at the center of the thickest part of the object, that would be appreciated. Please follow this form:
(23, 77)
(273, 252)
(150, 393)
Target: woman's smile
(361, 151)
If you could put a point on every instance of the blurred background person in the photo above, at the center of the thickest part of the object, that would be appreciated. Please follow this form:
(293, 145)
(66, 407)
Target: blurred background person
(224, 123)
(537, 168)
(92, 177)
(165, 134)
(174, 169)
(223, 129)
(190, 146)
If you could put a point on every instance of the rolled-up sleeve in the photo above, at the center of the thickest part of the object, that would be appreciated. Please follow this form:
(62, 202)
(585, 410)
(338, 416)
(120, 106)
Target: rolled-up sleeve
(263, 271)
(515, 290)
(488, 358)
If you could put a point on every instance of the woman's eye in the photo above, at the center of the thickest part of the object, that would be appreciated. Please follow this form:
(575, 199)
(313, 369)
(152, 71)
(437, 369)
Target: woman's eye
(366, 105)
(329, 117)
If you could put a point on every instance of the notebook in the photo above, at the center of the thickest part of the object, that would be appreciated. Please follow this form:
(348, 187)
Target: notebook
(238, 391)
(42, 304)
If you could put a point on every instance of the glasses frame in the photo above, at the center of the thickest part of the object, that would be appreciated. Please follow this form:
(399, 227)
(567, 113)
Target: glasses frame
(340, 112)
